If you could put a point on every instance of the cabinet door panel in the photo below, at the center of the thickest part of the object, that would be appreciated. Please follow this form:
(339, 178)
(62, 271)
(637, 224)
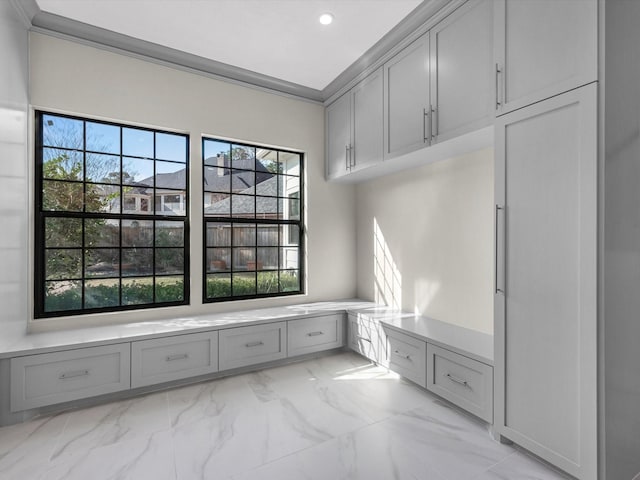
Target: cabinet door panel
(462, 78)
(406, 80)
(545, 48)
(338, 126)
(546, 177)
(367, 121)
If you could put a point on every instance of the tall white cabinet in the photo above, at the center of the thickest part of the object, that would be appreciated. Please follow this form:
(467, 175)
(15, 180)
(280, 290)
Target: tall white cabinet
(546, 279)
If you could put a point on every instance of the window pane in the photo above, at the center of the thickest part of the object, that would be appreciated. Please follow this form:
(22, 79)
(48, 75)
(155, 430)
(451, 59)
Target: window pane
(103, 138)
(103, 168)
(171, 147)
(170, 289)
(268, 235)
(218, 234)
(289, 281)
(217, 204)
(137, 262)
(62, 196)
(288, 185)
(243, 206)
(243, 157)
(289, 257)
(243, 181)
(266, 207)
(169, 261)
(101, 232)
(138, 172)
(244, 259)
(63, 264)
(244, 235)
(62, 164)
(266, 184)
(102, 262)
(217, 179)
(290, 235)
(267, 161)
(219, 285)
(102, 198)
(171, 175)
(170, 204)
(102, 293)
(63, 232)
(267, 282)
(169, 234)
(267, 258)
(137, 233)
(137, 142)
(137, 291)
(244, 284)
(218, 259)
(216, 153)
(290, 163)
(62, 132)
(60, 296)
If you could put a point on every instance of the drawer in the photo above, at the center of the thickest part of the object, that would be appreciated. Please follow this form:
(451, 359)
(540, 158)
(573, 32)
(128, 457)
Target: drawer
(49, 378)
(368, 339)
(461, 380)
(251, 345)
(408, 356)
(315, 334)
(172, 358)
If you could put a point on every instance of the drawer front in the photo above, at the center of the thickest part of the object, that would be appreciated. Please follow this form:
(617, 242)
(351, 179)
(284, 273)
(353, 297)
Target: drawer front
(368, 339)
(172, 358)
(50, 378)
(408, 357)
(251, 345)
(461, 380)
(315, 334)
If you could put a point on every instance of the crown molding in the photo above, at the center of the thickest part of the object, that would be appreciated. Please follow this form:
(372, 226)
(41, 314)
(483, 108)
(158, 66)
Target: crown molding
(27, 9)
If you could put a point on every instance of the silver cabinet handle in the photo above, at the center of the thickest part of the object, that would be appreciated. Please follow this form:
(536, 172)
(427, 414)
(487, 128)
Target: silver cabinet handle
(314, 334)
(403, 355)
(179, 356)
(498, 72)
(500, 251)
(254, 344)
(74, 374)
(435, 123)
(457, 380)
(426, 117)
(364, 338)
(346, 158)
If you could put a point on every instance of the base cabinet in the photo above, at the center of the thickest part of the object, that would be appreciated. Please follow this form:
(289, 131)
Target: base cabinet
(315, 334)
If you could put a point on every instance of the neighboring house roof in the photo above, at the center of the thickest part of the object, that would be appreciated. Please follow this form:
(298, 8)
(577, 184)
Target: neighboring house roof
(267, 205)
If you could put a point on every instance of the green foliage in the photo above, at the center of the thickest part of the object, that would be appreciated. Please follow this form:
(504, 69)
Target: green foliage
(219, 286)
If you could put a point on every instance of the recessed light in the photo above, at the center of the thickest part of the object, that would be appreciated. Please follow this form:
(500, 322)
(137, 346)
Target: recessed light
(326, 18)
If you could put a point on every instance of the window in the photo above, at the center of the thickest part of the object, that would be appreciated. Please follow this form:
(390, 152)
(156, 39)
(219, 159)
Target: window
(252, 221)
(100, 245)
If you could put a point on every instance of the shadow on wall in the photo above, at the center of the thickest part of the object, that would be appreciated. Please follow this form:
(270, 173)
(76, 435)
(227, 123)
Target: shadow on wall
(387, 279)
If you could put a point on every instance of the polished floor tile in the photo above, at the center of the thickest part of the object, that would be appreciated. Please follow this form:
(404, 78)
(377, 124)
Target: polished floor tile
(330, 418)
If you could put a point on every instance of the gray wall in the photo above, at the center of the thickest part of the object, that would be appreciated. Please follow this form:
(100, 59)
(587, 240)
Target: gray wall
(622, 240)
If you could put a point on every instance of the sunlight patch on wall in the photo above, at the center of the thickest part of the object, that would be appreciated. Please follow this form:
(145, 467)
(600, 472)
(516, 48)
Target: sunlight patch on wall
(424, 292)
(387, 285)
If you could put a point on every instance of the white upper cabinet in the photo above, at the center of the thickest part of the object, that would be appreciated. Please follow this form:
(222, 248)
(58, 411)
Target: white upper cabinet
(543, 48)
(407, 112)
(354, 128)
(462, 80)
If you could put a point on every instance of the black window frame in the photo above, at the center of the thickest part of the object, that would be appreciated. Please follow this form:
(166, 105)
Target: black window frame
(283, 237)
(41, 215)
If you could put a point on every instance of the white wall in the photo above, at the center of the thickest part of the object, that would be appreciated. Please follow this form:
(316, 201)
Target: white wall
(14, 215)
(425, 240)
(79, 79)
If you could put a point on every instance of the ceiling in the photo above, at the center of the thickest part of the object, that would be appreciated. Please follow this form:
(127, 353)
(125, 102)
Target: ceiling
(277, 38)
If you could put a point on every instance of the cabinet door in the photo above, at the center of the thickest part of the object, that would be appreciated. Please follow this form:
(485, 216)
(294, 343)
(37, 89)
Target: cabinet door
(546, 285)
(544, 48)
(406, 99)
(462, 81)
(338, 131)
(367, 121)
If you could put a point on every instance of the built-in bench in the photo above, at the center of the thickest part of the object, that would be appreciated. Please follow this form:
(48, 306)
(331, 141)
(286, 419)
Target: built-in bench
(42, 372)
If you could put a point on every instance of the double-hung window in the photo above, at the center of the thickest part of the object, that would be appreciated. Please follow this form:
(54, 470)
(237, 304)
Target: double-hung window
(111, 210)
(253, 223)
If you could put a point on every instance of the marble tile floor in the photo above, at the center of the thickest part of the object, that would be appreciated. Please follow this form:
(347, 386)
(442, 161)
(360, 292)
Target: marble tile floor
(334, 417)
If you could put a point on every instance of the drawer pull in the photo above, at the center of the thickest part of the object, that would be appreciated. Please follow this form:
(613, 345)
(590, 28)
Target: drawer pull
(179, 356)
(403, 355)
(314, 334)
(364, 338)
(77, 373)
(254, 344)
(457, 380)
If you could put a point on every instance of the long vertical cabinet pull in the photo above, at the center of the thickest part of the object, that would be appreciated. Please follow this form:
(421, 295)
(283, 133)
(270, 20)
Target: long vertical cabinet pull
(500, 250)
(347, 157)
(498, 75)
(434, 124)
(426, 121)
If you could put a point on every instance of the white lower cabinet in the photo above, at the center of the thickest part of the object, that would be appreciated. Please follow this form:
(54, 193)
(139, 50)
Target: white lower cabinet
(315, 334)
(461, 380)
(50, 378)
(243, 346)
(368, 339)
(172, 358)
(408, 356)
